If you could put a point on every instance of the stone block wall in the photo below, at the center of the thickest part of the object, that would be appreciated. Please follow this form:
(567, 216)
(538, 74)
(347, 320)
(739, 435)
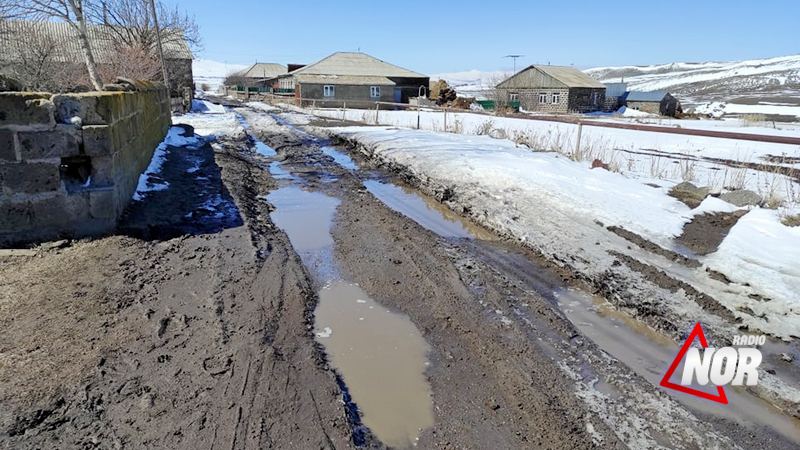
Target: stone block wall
(69, 163)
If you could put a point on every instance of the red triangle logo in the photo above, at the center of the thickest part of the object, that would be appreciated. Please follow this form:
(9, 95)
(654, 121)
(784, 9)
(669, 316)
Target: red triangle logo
(697, 332)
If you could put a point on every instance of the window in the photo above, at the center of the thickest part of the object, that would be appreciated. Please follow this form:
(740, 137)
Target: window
(513, 97)
(328, 90)
(556, 98)
(542, 97)
(375, 91)
(594, 98)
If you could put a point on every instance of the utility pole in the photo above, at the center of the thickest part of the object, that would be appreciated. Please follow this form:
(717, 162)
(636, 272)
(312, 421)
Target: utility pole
(158, 42)
(514, 57)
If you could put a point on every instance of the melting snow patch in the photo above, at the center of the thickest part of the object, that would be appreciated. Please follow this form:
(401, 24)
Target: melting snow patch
(325, 333)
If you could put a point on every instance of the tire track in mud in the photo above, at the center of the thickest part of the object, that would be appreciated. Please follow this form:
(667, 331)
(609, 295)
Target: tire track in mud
(411, 270)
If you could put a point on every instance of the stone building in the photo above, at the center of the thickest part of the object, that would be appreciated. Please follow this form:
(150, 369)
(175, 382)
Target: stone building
(354, 78)
(258, 77)
(552, 89)
(654, 102)
(57, 43)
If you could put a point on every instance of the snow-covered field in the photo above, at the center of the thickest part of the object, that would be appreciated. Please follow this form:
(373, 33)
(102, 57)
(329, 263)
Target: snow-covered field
(664, 159)
(533, 195)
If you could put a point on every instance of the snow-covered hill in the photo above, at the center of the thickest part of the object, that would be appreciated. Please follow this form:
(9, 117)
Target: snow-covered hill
(772, 81)
(211, 72)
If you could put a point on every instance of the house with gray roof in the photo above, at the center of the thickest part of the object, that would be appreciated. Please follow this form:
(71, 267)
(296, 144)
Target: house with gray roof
(354, 78)
(259, 76)
(552, 89)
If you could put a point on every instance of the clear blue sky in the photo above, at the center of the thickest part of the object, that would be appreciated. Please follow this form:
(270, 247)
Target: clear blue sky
(434, 37)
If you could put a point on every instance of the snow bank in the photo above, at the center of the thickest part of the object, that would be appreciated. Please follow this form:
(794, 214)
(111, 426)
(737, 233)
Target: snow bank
(521, 181)
(212, 124)
(204, 106)
(760, 250)
(150, 181)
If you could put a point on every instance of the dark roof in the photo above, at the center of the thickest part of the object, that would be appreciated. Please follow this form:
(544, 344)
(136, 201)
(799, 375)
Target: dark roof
(649, 96)
(15, 38)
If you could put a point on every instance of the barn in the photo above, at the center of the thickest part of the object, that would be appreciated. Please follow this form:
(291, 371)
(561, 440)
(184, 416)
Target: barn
(552, 89)
(654, 102)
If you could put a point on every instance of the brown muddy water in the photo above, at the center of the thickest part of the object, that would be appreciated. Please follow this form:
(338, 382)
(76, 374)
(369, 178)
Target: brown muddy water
(382, 357)
(379, 353)
(425, 211)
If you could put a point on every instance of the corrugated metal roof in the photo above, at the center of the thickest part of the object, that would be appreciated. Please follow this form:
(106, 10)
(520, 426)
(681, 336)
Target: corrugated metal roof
(345, 79)
(616, 89)
(356, 64)
(15, 40)
(568, 76)
(263, 70)
(650, 96)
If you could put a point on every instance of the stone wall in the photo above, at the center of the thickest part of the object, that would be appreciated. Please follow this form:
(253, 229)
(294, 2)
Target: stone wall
(69, 163)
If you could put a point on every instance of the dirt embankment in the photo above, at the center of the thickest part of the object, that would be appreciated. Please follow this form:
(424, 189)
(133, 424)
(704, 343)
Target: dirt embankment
(201, 340)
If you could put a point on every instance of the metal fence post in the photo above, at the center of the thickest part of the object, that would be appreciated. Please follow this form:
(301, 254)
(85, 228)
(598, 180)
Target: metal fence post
(445, 120)
(344, 111)
(578, 143)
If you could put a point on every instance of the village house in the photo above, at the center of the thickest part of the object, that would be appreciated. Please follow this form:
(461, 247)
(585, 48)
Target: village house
(552, 89)
(653, 102)
(23, 43)
(258, 77)
(354, 78)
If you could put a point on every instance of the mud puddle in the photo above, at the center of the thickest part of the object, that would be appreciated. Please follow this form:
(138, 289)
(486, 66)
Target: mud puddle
(339, 157)
(379, 353)
(427, 212)
(382, 357)
(648, 353)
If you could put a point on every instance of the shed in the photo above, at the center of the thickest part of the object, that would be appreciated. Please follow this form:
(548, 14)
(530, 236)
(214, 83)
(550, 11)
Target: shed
(654, 102)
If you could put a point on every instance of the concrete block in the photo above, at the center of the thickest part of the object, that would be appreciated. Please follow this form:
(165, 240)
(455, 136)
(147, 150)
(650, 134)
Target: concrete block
(98, 140)
(26, 108)
(103, 204)
(8, 151)
(47, 144)
(14, 216)
(94, 108)
(103, 170)
(29, 178)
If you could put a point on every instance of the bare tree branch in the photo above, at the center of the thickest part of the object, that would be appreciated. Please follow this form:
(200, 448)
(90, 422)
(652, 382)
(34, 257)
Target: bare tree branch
(73, 12)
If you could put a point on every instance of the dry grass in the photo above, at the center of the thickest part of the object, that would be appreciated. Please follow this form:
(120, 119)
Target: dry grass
(753, 120)
(485, 128)
(791, 220)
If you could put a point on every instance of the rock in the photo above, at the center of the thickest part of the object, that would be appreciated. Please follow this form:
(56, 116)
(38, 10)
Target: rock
(8, 84)
(689, 194)
(741, 198)
(786, 357)
(598, 164)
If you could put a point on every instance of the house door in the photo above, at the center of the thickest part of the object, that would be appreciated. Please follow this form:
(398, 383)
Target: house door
(398, 95)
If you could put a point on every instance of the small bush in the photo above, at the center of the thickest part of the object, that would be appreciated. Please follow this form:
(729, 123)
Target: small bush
(753, 119)
(485, 128)
(791, 221)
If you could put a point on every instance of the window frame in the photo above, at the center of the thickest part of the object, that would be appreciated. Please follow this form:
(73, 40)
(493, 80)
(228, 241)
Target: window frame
(374, 92)
(542, 97)
(556, 96)
(329, 90)
(513, 97)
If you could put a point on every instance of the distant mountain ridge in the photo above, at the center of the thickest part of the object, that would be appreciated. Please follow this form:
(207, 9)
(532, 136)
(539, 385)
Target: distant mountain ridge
(770, 80)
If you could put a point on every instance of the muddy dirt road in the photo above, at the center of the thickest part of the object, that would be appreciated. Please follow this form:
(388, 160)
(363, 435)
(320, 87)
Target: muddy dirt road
(286, 293)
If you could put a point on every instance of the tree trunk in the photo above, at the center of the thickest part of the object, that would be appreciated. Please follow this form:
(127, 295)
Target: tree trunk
(86, 48)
